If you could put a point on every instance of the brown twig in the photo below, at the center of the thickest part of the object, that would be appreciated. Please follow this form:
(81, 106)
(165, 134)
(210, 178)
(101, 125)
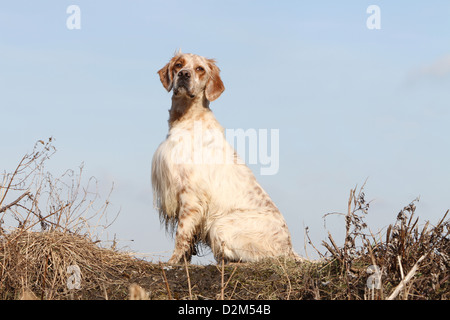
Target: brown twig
(32, 225)
(310, 242)
(408, 277)
(336, 252)
(222, 287)
(188, 277)
(165, 281)
(44, 278)
(226, 284)
(4, 208)
(288, 280)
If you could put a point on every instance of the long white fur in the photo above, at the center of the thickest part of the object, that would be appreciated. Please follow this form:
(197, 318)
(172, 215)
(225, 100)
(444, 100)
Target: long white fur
(203, 189)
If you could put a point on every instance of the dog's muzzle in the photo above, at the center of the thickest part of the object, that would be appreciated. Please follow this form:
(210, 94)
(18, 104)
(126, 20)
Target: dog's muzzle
(183, 83)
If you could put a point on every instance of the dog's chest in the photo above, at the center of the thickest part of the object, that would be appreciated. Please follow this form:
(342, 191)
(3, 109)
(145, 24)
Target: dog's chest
(197, 142)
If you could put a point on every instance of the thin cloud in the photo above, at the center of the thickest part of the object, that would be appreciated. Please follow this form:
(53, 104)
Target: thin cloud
(438, 69)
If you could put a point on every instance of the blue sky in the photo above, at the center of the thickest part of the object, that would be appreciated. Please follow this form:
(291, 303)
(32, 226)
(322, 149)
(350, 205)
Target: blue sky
(349, 103)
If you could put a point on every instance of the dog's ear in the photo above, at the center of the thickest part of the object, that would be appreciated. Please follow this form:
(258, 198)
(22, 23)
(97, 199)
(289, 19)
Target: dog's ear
(165, 74)
(214, 86)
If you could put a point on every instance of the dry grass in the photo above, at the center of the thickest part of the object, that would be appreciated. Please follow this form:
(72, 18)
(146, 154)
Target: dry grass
(48, 225)
(422, 251)
(39, 261)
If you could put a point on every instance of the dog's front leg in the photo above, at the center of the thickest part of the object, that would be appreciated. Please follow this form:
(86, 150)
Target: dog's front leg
(188, 225)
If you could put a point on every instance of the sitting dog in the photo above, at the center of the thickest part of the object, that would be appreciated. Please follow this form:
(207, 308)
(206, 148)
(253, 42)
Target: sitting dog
(201, 187)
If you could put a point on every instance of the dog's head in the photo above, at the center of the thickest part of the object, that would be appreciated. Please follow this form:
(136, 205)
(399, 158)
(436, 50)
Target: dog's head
(190, 75)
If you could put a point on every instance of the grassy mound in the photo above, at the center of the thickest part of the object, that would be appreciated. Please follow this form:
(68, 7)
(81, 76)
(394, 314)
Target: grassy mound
(34, 265)
(52, 253)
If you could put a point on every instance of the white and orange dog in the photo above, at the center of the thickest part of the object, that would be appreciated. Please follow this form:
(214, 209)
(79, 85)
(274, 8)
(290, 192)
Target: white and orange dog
(201, 187)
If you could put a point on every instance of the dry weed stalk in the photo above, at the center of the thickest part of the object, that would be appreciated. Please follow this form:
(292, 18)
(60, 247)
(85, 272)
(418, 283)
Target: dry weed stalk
(62, 203)
(405, 280)
(46, 225)
(406, 246)
(188, 277)
(357, 208)
(165, 281)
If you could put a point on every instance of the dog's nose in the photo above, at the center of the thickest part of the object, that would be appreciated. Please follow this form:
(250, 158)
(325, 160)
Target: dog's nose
(184, 74)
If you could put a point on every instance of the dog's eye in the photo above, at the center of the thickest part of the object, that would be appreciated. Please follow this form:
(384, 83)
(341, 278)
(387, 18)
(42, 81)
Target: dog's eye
(178, 65)
(200, 69)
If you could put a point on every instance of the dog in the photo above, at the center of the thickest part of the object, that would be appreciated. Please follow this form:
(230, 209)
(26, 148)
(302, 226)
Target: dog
(201, 187)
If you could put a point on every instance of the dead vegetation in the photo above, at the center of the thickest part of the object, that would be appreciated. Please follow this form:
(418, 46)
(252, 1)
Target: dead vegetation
(49, 249)
(409, 261)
